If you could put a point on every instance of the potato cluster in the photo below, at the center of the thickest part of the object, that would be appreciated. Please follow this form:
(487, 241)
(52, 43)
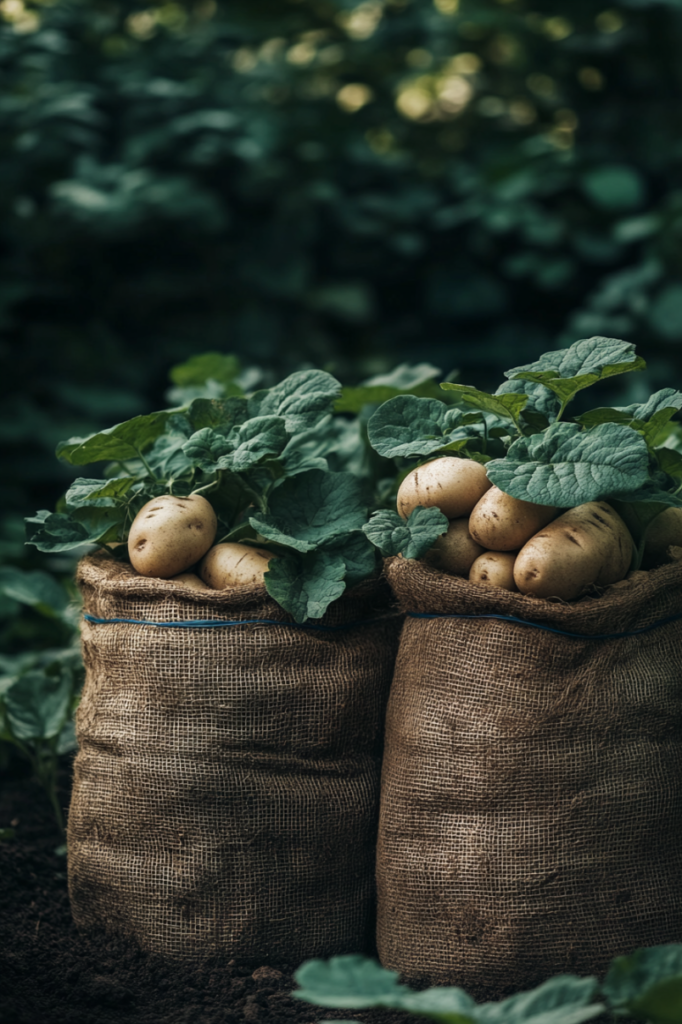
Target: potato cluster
(499, 541)
(171, 534)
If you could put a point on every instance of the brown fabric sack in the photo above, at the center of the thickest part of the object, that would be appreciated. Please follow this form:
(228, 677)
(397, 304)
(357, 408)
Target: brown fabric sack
(531, 805)
(225, 796)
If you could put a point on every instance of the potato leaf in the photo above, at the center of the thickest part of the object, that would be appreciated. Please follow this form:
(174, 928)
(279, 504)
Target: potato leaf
(541, 408)
(260, 438)
(97, 493)
(348, 982)
(123, 441)
(39, 703)
(37, 589)
(212, 412)
(507, 405)
(305, 584)
(647, 985)
(57, 531)
(410, 537)
(567, 371)
(303, 398)
(565, 999)
(208, 450)
(403, 380)
(566, 466)
(209, 366)
(358, 555)
(309, 509)
(409, 426)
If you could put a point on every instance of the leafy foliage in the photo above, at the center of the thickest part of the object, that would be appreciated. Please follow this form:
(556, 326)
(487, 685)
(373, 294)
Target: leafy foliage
(39, 690)
(260, 458)
(618, 454)
(644, 986)
(359, 180)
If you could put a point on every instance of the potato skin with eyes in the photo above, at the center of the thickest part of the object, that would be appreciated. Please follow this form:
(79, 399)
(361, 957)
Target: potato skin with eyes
(455, 550)
(452, 485)
(170, 533)
(234, 565)
(589, 544)
(494, 569)
(502, 523)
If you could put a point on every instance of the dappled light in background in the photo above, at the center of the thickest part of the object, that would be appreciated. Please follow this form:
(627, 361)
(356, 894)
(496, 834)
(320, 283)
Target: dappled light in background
(330, 183)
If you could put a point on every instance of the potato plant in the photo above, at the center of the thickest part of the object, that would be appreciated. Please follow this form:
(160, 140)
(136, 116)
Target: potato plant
(286, 469)
(540, 461)
(644, 986)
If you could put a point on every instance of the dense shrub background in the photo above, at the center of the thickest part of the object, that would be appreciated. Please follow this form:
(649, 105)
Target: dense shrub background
(324, 181)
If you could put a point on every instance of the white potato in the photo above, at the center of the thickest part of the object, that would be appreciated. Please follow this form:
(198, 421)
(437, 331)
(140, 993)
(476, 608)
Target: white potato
(452, 485)
(234, 565)
(170, 533)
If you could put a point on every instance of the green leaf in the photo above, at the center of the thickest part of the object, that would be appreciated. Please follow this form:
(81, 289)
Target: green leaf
(123, 441)
(217, 366)
(410, 537)
(311, 508)
(214, 413)
(348, 982)
(566, 466)
(259, 438)
(303, 399)
(567, 371)
(542, 406)
(306, 584)
(208, 450)
(403, 380)
(408, 426)
(57, 531)
(614, 187)
(38, 704)
(8, 834)
(358, 556)
(37, 589)
(509, 405)
(562, 1000)
(670, 462)
(647, 985)
(167, 458)
(98, 493)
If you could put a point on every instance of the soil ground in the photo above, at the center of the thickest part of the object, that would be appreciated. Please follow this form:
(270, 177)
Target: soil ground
(52, 974)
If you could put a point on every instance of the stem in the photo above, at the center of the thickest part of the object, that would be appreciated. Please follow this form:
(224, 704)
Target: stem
(212, 486)
(147, 466)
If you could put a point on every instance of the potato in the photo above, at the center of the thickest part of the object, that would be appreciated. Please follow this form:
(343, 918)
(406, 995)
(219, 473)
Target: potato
(234, 565)
(455, 551)
(452, 485)
(502, 523)
(494, 569)
(589, 544)
(171, 533)
(665, 530)
(190, 579)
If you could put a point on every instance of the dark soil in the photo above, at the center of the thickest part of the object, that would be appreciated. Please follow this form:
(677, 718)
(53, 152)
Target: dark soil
(52, 974)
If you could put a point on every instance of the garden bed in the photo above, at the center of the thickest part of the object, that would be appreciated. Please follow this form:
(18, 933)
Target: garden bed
(55, 975)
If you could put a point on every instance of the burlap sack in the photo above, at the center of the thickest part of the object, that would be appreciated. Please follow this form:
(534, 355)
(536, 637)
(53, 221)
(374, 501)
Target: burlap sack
(531, 807)
(226, 788)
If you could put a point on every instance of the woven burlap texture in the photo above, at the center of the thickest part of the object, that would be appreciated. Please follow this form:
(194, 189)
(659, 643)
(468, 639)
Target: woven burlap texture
(531, 805)
(225, 794)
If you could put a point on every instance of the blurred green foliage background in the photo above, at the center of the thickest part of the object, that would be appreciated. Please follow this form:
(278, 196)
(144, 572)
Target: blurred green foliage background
(324, 182)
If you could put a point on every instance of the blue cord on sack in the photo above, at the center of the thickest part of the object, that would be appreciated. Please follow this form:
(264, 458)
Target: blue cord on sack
(215, 623)
(550, 629)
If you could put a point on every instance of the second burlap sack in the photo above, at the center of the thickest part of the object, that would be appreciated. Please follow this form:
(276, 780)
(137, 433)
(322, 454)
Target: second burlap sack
(225, 796)
(532, 783)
